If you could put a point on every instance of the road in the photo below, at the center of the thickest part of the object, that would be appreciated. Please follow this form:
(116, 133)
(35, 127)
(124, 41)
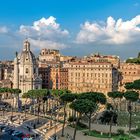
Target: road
(8, 137)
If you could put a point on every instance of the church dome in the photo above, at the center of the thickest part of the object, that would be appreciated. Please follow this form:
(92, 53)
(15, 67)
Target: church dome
(26, 56)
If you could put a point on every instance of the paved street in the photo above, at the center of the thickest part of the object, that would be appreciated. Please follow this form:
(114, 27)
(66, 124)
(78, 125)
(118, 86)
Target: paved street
(8, 137)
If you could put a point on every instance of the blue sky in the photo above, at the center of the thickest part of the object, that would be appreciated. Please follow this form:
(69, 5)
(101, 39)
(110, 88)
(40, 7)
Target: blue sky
(76, 27)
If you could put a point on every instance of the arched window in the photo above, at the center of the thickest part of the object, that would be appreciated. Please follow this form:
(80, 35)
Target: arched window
(27, 70)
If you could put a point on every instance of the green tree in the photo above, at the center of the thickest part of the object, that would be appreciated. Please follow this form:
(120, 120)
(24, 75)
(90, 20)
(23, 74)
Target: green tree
(136, 85)
(66, 98)
(97, 98)
(37, 94)
(1, 93)
(82, 106)
(116, 95)
(129, 86)
(131, 96)
(134, 60)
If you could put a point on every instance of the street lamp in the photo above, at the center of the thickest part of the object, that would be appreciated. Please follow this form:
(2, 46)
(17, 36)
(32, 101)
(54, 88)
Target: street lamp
(56, 119)
(55, 127)
(130, 116)
(111, 121)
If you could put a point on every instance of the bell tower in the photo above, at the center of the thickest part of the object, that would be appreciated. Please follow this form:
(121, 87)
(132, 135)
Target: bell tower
(26, 70)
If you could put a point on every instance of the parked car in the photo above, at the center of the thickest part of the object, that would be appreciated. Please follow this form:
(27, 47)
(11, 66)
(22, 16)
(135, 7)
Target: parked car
(15, 133)
(2, 127)
(10, 131)
(6, 129)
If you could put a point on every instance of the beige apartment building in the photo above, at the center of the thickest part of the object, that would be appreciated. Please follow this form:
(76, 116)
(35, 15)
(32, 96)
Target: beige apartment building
(92, 77)
(114, 60)
(54, 78)
(59, 78)
(52, 55)
(63, 78)
(49, 55)
(45, 75)
(129, 73)
(6, 70)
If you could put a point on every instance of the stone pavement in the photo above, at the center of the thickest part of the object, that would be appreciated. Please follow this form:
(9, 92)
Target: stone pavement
(105, 128)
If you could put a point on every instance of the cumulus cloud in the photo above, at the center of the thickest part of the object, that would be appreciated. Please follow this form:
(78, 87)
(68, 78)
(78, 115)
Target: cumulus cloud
(112, 32)
(45, 33)
(3, 29)
(44, 28)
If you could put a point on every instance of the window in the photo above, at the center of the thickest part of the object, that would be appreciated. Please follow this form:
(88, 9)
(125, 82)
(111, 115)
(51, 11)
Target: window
(79, 74)
(27, 71)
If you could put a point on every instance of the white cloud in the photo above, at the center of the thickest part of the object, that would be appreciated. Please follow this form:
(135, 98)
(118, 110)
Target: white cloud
(3, 29)
(45, 29)
(45, 33)
(112, 32)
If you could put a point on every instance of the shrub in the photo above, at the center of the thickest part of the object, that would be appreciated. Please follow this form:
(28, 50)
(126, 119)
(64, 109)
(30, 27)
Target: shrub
(71, 119)
(109, 106)
(82, 125)
(136, 130)
(123, 138)
(120, 132)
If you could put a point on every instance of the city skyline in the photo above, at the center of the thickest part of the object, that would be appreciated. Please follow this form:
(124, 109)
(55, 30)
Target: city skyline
(70, 69)
(75, 28)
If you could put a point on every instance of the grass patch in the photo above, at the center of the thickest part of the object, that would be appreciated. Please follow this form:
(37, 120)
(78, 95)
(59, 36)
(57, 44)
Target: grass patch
(95, 134)
(136, 132)
(105, 135)
(122, 137)
(123, 119)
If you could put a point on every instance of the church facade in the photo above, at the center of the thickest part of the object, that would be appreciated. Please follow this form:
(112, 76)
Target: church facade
(26, 75)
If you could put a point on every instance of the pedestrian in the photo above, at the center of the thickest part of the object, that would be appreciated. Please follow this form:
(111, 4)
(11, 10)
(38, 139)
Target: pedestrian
(28, 128)
(34, 126)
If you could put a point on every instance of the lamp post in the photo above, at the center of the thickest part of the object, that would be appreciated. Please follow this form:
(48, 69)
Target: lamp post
(12, 109)
(111, 121)
(130, 116)
(55, 127)
(56, 120)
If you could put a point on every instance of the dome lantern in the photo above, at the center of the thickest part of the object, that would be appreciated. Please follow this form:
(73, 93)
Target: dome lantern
(26, 45)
